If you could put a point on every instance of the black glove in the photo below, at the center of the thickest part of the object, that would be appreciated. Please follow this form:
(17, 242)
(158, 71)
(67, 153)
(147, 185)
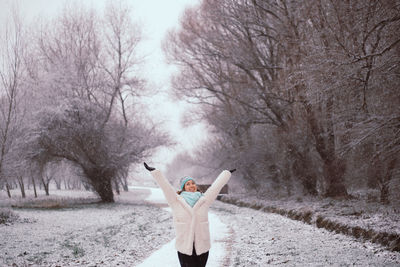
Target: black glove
(148, 167)
(232, 170)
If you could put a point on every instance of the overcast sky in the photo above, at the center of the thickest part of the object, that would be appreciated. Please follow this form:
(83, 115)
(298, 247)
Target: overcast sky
(156, 17)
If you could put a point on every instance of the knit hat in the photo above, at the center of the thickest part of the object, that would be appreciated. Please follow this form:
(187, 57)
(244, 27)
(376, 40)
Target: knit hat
(184, 180)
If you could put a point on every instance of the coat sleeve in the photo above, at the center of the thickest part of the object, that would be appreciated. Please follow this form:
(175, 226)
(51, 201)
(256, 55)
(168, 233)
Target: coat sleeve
(213, 191)
(165, 186)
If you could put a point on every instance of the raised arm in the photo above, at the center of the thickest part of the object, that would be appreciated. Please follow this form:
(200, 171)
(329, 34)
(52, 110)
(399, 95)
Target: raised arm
(166, 187)
(213, 191)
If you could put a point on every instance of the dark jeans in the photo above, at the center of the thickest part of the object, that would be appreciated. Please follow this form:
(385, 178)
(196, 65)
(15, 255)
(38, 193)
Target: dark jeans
(194, 260)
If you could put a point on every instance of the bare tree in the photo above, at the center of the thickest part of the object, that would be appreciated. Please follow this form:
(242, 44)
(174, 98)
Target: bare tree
(12, 75)
(120, 63)
(294, 70)
(233, 54)
(76, 132)
(118, 58)
(87, 67)
(355, 43)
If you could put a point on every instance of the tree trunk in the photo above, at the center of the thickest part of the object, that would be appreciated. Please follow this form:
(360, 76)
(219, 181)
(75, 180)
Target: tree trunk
(116, 184)
(309, 184)
(334, 168)
(287, 179)
(8, 190)
(21, 186)
(124, 182)
(46, 187)
(385, 179)
(101, 182)
(58, 184)
(34, 187)
(298, 161)
(104, 190)
(303, 171)
(253, 182)
(334, 177)
(384, 193)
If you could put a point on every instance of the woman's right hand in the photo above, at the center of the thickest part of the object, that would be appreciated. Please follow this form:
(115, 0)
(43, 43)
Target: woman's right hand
(148, 167)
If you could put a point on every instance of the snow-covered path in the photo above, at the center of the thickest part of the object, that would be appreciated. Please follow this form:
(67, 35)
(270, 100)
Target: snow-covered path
(167, 254)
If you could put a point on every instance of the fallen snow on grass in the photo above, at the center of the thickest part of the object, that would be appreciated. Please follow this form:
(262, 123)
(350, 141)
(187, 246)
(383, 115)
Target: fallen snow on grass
(133, 232)
(353, 212)
(264, 239)
(92, 235)
(58, 196)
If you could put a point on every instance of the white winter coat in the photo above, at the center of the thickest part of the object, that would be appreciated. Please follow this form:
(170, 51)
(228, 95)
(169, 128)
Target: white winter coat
(191, 224)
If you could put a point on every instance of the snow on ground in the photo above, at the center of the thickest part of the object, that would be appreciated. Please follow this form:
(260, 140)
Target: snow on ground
(266, 239)
(122, 233)
(133, 232)
(167, 254)
(353, 212)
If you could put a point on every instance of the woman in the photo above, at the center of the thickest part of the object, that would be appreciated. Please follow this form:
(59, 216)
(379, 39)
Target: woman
(190, 215)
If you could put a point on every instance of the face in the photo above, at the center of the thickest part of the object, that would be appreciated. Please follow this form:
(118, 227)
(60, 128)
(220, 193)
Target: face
(190, 186)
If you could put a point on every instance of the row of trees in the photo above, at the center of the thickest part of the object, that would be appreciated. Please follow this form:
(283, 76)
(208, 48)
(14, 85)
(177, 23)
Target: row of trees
(68, 92)
(299, 94)
(60, 173)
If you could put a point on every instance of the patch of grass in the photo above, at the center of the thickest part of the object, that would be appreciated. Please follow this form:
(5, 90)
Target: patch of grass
(344, 229)
(37, 259)
(307, 217)
(54, 203)
(7, 216)
(108, 233)
(395, 245)
(76, 250)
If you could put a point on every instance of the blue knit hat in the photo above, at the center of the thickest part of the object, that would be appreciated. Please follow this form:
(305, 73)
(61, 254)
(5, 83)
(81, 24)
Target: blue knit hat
(184, 180)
